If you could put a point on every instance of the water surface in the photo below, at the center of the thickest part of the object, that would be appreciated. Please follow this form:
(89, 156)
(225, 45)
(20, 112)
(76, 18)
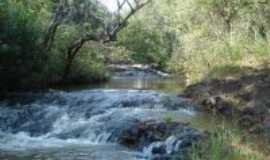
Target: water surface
(84, 123)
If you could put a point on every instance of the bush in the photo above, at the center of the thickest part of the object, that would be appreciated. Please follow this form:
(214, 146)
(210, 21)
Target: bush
(21, 58)
(147, 43)
(89, 66)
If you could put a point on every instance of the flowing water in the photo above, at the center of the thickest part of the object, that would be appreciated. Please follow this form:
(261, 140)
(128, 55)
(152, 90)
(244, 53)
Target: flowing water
(84, 123)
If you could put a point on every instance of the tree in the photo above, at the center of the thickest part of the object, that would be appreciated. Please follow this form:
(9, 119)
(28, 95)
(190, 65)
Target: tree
(151, 36)
(104, 25)
(227, 10)
(107, 34)
(60, 11)
(21, 57)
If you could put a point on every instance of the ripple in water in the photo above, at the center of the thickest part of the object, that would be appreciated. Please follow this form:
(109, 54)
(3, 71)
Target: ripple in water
(80, 125)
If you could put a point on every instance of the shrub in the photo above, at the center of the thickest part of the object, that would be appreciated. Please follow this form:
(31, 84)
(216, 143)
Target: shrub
(89, 66)
(21, 58)
(147, 43)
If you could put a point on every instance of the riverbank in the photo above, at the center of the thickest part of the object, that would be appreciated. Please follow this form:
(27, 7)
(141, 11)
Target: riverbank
(243, 98)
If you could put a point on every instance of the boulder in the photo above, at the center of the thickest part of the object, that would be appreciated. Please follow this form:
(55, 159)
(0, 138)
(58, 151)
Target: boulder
(159, 140)
(219, 105)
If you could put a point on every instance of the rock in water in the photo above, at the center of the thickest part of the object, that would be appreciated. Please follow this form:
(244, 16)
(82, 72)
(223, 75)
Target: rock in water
(159, 140)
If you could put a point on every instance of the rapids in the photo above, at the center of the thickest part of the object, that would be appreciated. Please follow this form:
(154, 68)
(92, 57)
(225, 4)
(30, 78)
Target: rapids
(85, 124)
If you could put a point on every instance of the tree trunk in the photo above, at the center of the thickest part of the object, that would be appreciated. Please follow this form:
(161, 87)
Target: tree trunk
(50, 35)
(67, 70)
(73, 50)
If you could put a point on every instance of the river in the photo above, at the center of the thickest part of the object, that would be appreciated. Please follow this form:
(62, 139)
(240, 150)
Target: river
(83, 123)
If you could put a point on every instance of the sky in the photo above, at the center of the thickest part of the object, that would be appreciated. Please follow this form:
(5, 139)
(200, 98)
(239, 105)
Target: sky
(110, 4)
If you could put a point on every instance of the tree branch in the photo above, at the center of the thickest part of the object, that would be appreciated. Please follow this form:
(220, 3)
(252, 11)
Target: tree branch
(58, 18)
(104, 36)
(112, 34)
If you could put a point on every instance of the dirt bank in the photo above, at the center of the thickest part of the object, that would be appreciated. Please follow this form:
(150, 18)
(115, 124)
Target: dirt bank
(245, 97)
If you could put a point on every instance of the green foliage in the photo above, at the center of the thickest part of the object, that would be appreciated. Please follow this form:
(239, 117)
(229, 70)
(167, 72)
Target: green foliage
(146, 45)
(89, 65)
(223, 145)
(216, 33)
(196, 38)
(118, 55)
(147, 37)
(223, 71)
(24, 63)
(21, 58)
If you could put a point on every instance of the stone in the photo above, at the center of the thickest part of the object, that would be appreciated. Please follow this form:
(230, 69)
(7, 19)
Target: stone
(159, 140)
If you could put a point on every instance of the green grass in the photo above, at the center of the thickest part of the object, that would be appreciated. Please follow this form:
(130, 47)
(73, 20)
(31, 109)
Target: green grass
(224, 145)
(224, 71)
